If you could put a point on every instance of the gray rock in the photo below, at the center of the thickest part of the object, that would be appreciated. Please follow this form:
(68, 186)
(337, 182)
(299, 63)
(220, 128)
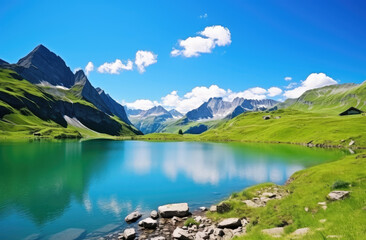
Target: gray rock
(218, 232)
(132, 217)
(148, 223)
(231, 223)
(158, 238)
(267, 117)
(201, 236)
(203, 209)
(301, 232)
(223, 207)
(337, 195)
(251, 204)
(171, 210)
(129, 233)
(181, 234)
(154, 214)
(213, 208)
(69, 234)
(351, 143)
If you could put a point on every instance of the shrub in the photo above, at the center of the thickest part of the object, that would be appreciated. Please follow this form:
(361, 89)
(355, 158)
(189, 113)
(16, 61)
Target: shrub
(190, 222)
(340, 184)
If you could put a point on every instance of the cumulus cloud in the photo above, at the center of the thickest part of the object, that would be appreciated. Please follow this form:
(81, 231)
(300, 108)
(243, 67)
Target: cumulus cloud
(198, 95)
(274, 91)
(89, 68)
(288, 78)
(210, 38)
(144, 59)
(314, 80)
(143, 104)
(115, 67)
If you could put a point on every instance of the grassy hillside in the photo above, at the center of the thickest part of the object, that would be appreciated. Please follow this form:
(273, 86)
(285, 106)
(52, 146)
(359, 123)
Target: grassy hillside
(292, 127)
(345, 219)
(184, 124)
(331, 99)
(26, 110)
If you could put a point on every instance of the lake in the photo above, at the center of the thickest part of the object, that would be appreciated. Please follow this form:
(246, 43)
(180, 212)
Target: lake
(48, 187)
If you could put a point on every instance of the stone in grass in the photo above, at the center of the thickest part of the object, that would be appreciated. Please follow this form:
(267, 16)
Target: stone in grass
(338, 195)
(213, 208)
(231, 223)
(132, 217)
(301, 231)
(70, 234)
(223, 207)
(274, 232)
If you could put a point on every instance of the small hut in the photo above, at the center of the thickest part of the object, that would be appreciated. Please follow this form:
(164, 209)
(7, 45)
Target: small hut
(351, 111)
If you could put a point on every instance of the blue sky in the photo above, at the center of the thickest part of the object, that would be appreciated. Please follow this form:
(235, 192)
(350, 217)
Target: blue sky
(268, 41)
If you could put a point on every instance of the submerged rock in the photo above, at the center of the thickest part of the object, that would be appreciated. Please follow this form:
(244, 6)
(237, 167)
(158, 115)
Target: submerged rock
(69, 234)
(132, 217)
(171, 210)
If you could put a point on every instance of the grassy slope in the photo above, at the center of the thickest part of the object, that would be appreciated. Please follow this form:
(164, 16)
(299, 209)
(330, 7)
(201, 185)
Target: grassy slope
(346, 218)
(21, 124)
(174, 126)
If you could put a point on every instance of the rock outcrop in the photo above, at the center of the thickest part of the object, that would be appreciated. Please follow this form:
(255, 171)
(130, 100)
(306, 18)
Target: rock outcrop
(176, 209)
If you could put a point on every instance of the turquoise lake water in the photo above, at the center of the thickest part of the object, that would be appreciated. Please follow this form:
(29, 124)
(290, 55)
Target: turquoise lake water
(46, 188)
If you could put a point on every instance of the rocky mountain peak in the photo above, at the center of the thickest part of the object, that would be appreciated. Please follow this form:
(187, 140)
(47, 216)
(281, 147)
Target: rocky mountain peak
(43, 66)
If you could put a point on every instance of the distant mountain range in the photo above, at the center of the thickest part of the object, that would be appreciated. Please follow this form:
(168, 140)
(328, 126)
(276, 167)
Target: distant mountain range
(158, 119)
(58, 95)
(152, 120)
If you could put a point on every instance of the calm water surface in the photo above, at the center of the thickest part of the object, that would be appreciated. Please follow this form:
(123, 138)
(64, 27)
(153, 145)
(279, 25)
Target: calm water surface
(46, 188)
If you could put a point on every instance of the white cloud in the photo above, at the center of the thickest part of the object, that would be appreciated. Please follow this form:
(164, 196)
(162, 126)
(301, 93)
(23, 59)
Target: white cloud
(314, 80)
(251, 93)
(143, 104)
(89, 68)
(210, 38)
(221, 35)
(288, 78)
(291, 85)
(115, 67)
(144, 59)
(274, 91)
(204, 15)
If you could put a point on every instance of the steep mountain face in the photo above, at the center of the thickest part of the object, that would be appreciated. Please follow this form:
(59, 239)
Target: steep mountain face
(217, 108)
(332, 99)
(151, 120)
(58, 96)
(43, 66)
(116, 108)
(175, 113)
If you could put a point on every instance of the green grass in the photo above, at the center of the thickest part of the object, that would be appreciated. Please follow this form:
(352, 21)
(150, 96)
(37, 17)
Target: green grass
(174, 126)
(190, 221)
(346, 218)
(293, 127)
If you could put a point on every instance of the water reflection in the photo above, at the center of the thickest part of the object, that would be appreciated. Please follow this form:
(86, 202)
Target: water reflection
(48, 187)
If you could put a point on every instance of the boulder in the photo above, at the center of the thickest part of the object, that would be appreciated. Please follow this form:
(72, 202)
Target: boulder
(171, 210)
(301, 232)
(223, 207)
(148, 223)
(129, 233)
(338, 195)
(132, 217)
(267, 117)
(231, 223)
(70, 234)
(251, 204)
(351, 143)
(274, 232)
(158, 238)
(154, 214)
(218, 232)
(213, 208)
(203, 209)
(201, 236)
(181, 234)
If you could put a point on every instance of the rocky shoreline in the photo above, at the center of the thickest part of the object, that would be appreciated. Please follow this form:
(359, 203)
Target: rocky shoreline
(175, 221)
